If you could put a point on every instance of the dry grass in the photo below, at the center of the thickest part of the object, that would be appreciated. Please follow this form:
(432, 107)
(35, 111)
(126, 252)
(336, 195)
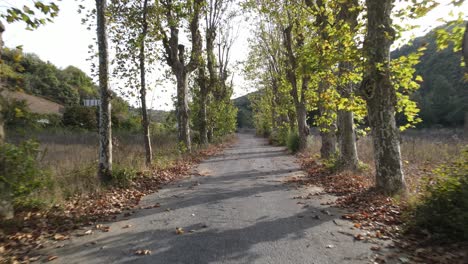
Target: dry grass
(71, 157)
(421, 150)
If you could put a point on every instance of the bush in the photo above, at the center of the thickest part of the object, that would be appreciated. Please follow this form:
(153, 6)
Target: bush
(279, 136)
(443, 207)
(20, 171)
(123, 176)
(293, 141)
(80, 116)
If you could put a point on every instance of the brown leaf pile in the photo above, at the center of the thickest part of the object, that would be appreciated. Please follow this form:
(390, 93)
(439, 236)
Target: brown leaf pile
(30, 231)
(377, 215)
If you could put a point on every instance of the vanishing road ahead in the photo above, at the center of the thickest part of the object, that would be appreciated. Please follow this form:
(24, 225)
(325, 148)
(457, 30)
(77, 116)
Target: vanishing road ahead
(235, 209)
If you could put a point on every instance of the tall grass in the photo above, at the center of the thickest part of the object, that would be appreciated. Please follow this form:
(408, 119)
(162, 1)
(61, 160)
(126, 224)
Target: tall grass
(421, 151)
(72, 157)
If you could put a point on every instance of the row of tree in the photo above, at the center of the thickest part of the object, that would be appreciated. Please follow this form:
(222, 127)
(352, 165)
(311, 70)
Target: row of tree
(143, 33)
(332, 57)
(146, 32)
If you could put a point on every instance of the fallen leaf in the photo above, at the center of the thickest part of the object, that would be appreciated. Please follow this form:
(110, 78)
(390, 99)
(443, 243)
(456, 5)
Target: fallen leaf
(127, 226)
(143, 252)
(60, 237)
(179, 230)
(359, 237)
(375, 248)
(50, 258)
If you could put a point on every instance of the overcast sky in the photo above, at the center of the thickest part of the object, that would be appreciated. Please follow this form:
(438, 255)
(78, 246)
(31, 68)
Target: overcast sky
(65, 42)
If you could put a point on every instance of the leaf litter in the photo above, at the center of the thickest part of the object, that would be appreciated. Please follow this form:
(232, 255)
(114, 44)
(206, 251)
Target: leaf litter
(377, 216)
(30, 231)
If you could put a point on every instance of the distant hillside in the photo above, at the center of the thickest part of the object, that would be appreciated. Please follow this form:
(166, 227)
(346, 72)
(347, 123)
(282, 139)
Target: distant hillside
(28, 73)
(35, 104)
(244, 113)
(443, 95)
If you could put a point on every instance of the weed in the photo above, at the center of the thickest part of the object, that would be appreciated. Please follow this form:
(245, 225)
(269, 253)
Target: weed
(293, 141)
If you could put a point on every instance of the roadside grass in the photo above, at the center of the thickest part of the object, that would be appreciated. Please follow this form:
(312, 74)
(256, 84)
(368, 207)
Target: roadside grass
(429, 224)
(71, 158)
(77, 200)
(422, 151)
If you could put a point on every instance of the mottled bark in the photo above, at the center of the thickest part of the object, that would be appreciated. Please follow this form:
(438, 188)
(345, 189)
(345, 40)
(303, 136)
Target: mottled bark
(144, 111)
(183, 109)
(346, 135)
(298, 96)
(348, 156)
(327, 130)
(202, 84)
(380, 97)
(212, 80)
(175, 57)
(105, 129)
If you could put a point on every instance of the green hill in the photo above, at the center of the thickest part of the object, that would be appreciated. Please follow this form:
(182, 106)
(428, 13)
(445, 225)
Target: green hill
(244, 113)
(28, 73)
(443, 94)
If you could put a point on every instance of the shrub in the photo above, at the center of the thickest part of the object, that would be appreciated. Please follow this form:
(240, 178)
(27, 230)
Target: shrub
(443, 207)
(293, 141)
(20, 171)
(279, 136)
(16, 114)
(80, 116)
(123, 176)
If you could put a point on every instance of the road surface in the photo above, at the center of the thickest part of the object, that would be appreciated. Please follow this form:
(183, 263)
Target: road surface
(236, 208)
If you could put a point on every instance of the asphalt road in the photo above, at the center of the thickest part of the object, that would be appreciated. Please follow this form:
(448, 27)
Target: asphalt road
(236, 208)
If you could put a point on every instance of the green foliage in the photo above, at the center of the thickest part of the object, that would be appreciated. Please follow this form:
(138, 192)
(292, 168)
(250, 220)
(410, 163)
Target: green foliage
(123, 176)
(223, 117)
(16, 114)
(20, 171)
(293, 141)
(442, 96)
(32, 15)
(244, 112)
(443, 208)
(279, 136)
(80, 117)
(27, 72)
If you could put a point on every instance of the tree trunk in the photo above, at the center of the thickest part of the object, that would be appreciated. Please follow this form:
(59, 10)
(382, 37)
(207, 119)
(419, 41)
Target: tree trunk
(328, 148)
(327, 131)
(144, 111)
(2, 131)
(465, 57)
(203, 105)
(291, 120)
(211, 59)
(298, 96)
(302, 126)
(105, 125)
(6, 207)
(380, 96)
(348, 156)
(183, 109)
(465, 47)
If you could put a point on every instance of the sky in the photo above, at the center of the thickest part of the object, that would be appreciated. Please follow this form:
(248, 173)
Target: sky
(65, 42)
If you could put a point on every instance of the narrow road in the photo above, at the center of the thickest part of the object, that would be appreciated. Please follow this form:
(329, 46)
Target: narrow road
(236, 210)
